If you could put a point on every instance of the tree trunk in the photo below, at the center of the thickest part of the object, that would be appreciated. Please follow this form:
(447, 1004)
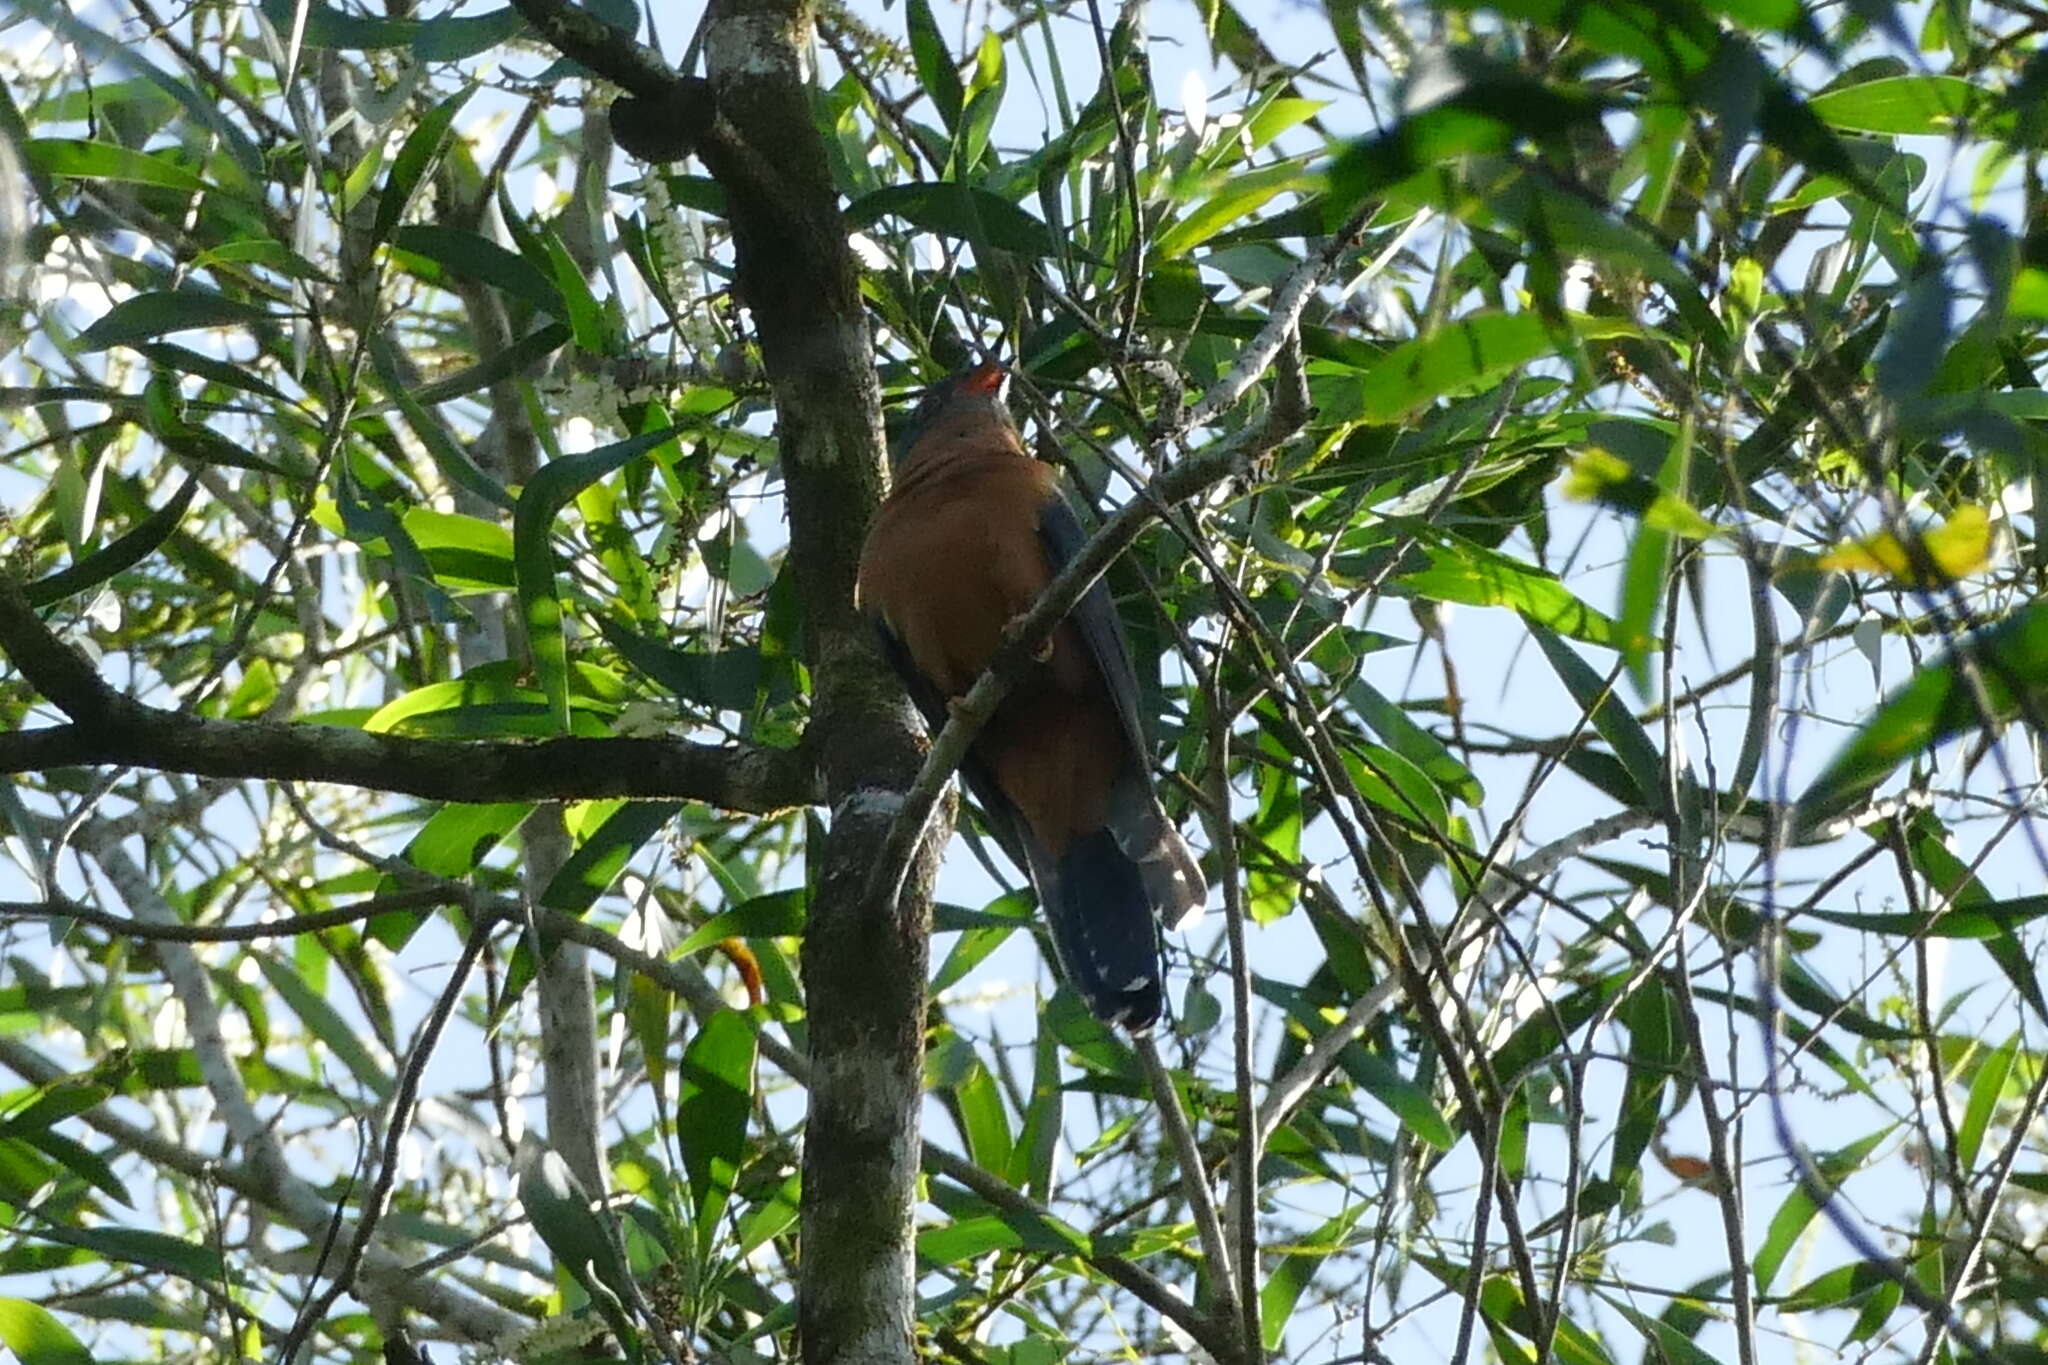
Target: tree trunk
(864, 965)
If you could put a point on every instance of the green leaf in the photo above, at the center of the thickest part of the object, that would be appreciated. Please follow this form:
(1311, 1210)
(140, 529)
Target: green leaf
(1505, 1310)
(450, 458)
(108, 49)
(771, 916)
(82, 1162)
(37, 1338)
(1894, 105)
(597, 863)
(991, 929)
(771, 1218)
(467, 256)
(80, 159)
(1789, 124)
(1414, 743)
(1644, 578)
(515, 359)
(1654, 1055)
(52, 1103)
(155, 1251)
(561, 1211)
(728, 680)
(1410, 1102)
(533, 557)
(1595, 696)
(1032, 1159)
(968, 1238)
(326, 27)
(960, 211)
(147, 316)
(977, 1105)
(1279, 114)
(451, 37)
(454, 841)
(326, 1024)
(463, 552)
(1464, 357)
(1798, 1209)
(984, 100)
(650, 1013)
(1539, 1038)
(378, 529)
(170, 356)
(937, 74)
(125, 553)
(1991, 919)
(1287, 1277)
(1276, 823)
(584, 315)
(2010, 658)
(421, 151)
(1222, 201)
(711, 1116)
(1478, 577)
(1670, 1346)
(1480, 105)
(1986, 1089)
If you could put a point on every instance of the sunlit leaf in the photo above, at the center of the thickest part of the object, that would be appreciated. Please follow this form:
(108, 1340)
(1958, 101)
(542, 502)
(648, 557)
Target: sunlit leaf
(2008, 661)
(1929, 104)
(936, 71)
(549, 491)
(35, 1336)
(717, 1074)
(106, 161)
(1961, 546)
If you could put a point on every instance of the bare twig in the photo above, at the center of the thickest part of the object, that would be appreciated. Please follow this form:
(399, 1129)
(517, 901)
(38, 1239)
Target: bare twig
(1194, 1174)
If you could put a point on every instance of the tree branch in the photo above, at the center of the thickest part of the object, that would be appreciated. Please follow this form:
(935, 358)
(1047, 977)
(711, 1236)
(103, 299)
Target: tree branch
(109, 728)
(458, 1312)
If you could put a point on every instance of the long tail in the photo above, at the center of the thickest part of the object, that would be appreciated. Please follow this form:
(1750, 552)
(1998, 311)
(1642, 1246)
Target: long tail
(1099, 907)
(1173, 879)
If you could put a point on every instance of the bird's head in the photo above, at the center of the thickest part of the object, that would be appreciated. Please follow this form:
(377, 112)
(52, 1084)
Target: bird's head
(974, 400)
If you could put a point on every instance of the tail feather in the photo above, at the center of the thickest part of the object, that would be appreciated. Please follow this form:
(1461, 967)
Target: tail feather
(1099, 908)
(1173, 879)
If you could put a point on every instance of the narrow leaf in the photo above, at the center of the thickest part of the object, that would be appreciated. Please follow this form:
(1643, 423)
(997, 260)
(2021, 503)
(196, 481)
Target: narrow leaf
(35, 1336)
(2010, 658)
(421, 150)
(711, 1116)
(147, 316)
(534, 558)
(124, 553)
(936, 71)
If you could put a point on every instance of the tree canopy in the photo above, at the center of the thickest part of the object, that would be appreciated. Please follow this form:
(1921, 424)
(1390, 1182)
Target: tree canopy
(1567, 470)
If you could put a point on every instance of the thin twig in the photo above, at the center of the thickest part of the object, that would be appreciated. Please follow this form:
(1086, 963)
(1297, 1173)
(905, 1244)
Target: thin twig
(403, 1106)
(1194, 1175)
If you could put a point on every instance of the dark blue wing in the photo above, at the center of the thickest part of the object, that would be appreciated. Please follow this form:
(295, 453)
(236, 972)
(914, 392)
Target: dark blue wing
(1095, 620)
(1172, 879)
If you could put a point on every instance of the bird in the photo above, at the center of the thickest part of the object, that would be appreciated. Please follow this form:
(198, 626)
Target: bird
(972, 530)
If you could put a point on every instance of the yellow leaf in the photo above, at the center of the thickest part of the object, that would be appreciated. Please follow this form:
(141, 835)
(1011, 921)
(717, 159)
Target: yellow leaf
(1601, 476)
(1593, 473)
(1958, 547)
